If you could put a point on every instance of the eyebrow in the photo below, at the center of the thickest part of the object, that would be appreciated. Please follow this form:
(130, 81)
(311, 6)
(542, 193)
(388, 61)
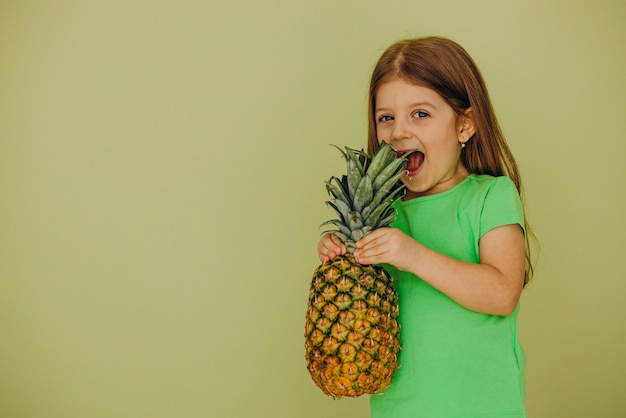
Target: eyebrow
(417, 104)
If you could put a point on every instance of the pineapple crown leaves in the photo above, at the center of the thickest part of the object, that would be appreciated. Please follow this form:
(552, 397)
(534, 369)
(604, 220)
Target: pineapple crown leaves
(364, 197)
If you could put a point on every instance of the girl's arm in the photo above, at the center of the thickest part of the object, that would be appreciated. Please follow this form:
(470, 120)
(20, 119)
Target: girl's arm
(493, 287)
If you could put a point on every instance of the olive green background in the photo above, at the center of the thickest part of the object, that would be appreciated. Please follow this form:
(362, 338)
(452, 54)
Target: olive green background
(161, 178)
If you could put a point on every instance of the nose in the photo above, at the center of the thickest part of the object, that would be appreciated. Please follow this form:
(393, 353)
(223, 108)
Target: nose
(399, 131)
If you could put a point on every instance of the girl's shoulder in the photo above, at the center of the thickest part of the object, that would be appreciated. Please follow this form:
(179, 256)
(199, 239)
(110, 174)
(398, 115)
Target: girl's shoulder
(487, 187)
(497, 199)
(484, 186)
(486, 181)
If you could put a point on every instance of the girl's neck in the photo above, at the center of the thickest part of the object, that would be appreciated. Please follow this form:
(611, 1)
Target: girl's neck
(442, 187)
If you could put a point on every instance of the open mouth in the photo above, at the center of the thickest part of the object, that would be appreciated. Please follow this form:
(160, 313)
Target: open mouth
(414, 161)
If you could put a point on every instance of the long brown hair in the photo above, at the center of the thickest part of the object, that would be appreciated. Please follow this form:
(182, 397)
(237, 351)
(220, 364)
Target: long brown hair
(444, 66)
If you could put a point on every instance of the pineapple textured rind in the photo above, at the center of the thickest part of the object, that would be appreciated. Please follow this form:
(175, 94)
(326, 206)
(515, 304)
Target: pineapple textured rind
(352, 331)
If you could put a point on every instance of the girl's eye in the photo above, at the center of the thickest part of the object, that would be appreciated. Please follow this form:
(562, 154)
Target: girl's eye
(420, 114)
(385, 118)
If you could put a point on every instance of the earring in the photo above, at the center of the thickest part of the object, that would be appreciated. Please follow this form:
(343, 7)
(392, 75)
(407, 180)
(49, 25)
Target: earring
(463, 145)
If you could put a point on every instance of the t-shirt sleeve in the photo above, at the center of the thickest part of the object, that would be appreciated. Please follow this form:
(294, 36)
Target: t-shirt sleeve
(502, 206)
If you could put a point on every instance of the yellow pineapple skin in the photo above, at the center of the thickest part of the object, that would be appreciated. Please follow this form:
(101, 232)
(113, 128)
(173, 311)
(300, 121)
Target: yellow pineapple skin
(351, 331)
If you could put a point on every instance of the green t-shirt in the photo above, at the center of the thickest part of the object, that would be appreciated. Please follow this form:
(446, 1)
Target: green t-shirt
(454, 362)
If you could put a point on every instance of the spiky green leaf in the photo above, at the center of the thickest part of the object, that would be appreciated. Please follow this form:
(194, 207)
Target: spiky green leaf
(388, 172)
(380, 160)
(364, 194)
(337, 191)
(339, 224)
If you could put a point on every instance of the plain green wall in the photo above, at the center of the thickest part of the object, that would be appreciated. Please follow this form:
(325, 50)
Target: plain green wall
(161, 177)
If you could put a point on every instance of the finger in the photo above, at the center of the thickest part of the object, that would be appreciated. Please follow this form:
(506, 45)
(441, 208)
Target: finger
(372, 253)
(336, 240)
(339, 248)
(330, 247)
(327, 250)
(326, 255)
(365, 260)
(323, 251)
(370, 238)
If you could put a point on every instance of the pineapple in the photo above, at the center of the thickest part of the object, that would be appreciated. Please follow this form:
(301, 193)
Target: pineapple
(351, 332)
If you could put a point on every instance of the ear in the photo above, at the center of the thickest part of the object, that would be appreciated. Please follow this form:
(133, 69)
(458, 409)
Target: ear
(466, 125)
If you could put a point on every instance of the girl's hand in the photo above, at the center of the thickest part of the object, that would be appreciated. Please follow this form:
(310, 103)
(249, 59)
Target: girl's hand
(329, 247)
(387, 245)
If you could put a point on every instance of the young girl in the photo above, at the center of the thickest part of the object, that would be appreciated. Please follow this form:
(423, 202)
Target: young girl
(457, 249)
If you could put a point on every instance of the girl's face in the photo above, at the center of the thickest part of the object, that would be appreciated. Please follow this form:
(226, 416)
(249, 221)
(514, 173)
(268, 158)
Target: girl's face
(410, 117)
